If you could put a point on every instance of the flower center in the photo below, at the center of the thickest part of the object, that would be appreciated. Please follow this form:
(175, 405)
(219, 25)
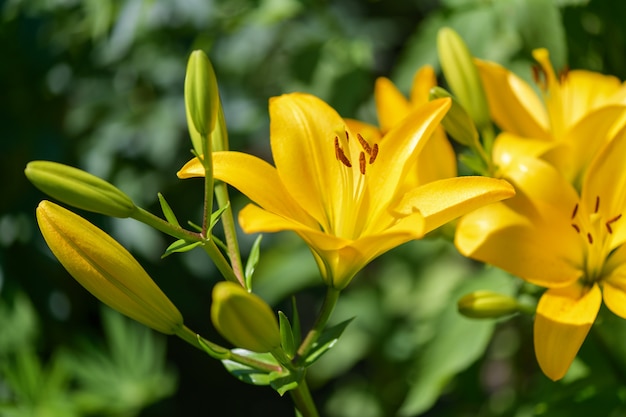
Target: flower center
(350, 222)
(596, 231)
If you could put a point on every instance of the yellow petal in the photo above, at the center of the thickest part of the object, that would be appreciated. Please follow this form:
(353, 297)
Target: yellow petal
(391, 105)
(513, 104)
(192, 169)
(573, 160)
(509, 146)
(500, 236)
(437, 160)
(423, 80)
(399, 149)
(255, 178)
(615, 298)
(564, 317)
(302, 132)
(444, 200)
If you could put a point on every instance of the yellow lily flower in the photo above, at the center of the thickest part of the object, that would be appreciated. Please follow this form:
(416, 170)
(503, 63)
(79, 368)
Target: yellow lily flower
(341, 191)
(556, 124)
(570, 242)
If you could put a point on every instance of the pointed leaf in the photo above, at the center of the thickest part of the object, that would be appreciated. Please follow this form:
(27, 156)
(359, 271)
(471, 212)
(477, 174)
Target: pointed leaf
(181, 245)
(282, 382)
(286, 335)
(216, 215)
(220, 354)
(295, 327)
(167, 211)
(327, 340)
(247, 373)
(253, 260)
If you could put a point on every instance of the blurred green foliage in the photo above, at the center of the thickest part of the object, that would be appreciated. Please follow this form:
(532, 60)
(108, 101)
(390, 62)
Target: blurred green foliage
(99, 84)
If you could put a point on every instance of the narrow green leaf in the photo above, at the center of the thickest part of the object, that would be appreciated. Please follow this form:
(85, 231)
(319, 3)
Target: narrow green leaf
(180, 245)
(295, 327)
(194, 226)
(327, 340)
(216, 215)
(214, 353)
(286, 335)
(253, 260)
(247, 373)
(283, 382)
(167, 211)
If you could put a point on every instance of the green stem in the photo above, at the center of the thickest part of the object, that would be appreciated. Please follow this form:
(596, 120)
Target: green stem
(158, 223)
(301, 397)
(221, 353)
(207, 163)
(332, 295)
(230, 234)
(220, 262)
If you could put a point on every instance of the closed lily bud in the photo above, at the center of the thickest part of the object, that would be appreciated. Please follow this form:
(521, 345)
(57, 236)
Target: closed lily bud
(201, 100)
(243, 318)
(457, 122)
(462, 75)
(487, 304)
(106, 269)
(79, 189)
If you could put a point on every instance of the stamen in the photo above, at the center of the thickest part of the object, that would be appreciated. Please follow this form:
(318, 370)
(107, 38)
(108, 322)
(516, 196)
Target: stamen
(597, 204)
(540, 78)
(610, 221)
(589, 238)
(575, 226)
(362, 163)
(564, 74)
(374, 153)
(575, 211)
(366, 146)
(340, 155)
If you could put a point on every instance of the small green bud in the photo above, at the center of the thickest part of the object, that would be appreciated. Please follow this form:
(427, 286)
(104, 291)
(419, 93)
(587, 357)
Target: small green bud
(106, 269)
(243, 318)
(78, 188)
(201, 100)
(487, 304)
(457, 122)
(462, 76)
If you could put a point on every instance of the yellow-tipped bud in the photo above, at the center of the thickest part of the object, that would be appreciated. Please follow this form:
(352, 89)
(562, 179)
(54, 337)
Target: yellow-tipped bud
(462, 75)
(106, 269)
(457, 122)
(243, 318)
(79, 188)
(487, 304)
(201, 100)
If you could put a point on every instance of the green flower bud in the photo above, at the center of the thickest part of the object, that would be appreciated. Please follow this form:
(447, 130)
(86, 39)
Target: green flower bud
(106, 269)
(487, 304)
(462, 76)
(243, 318)
(79, 188)
(201, 100)
(457, 122)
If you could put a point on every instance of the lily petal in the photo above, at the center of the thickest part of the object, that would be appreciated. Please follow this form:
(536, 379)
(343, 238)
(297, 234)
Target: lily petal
(514, 105)
(564, 317)
(423, 80)
(391, 105)
(498, 235)
(444, 200)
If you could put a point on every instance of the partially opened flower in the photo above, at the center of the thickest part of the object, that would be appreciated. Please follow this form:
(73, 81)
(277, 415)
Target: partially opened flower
(560, 124)
(341, 191)
(553, 236)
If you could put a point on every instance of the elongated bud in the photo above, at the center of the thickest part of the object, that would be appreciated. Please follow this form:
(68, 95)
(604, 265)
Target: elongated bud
(462, 76)
(106, 269)
(243, 318)
(487, 304)
(457, 122)
(201, 100)
(79, 189)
